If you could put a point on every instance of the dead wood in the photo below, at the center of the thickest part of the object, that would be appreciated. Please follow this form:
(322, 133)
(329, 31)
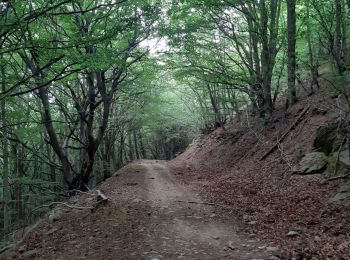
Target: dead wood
(335, 178)
(338, 156)
(202, 203)
(101, 200)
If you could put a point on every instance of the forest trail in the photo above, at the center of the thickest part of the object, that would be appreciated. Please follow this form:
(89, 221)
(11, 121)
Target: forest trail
(188, 230)
(148, 217)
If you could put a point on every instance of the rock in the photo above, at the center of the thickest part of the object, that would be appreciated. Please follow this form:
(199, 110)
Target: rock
(22, 248)
(327, 139)
(274, 258)
(55, 216)
(318, 111)
(30, 254)
(311, 163)
(136, 200)
(317, 238)
(247, 218)
(343, 193)
(292, 234)
(252, 223)
(344, 246)
(272, 249)
(52, 230)
(230, 245)
(342, 167)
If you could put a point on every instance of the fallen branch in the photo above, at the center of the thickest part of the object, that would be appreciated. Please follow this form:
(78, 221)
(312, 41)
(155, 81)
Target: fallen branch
(338, 157)
(81, 192)
(62, 204)
(295, 123)
(101, 199)
(2, 250)
(202, 203)
(283, 156)
(101, 196)
(335, 178)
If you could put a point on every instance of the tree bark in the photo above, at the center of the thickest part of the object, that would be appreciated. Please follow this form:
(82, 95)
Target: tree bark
(338, 36)
(5, 156)
(137, 152)
(142, 146)
(291, 21)
(313, 67)
(131, 147)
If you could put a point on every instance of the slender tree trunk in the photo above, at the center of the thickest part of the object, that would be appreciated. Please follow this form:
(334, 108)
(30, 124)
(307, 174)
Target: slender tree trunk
(268, 55)
(131, 147)
(312, 65)
(5, 157)
(291, 21)
(137, 153)
(121, 150)
(142, 147)
(21, 172)
(215, 107)
(47, 120)
(338, 35)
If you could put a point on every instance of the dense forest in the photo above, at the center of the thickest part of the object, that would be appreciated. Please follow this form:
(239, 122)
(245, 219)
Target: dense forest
(89, 85)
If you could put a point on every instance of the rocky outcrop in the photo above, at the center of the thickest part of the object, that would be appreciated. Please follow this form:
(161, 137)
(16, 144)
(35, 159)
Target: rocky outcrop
(328, 139)
(343, 193)
(338, 167)
(311, 163)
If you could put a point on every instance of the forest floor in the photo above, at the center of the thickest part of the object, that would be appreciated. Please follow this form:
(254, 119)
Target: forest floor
(150, 215)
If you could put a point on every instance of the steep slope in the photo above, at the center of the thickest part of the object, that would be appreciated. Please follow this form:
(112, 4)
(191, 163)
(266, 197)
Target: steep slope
(227, 168)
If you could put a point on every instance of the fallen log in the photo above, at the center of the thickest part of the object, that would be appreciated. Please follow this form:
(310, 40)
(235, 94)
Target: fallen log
(295, 123)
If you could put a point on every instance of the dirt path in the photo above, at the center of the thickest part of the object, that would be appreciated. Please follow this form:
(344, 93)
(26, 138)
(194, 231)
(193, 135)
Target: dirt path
(181, 230)
(148, 217)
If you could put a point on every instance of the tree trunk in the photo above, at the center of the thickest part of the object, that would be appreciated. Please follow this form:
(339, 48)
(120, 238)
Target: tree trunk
(121, 150)
(137, 153)
(47, 120)
(312, 65)
(142, 147)
(131, 147)
(338, 36)
(291, 21)
(5, 157)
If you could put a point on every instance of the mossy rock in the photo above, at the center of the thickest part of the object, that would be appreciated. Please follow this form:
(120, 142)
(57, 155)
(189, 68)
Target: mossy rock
(343, 193)
(342, 167)
(312, 163)
(327, 139)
